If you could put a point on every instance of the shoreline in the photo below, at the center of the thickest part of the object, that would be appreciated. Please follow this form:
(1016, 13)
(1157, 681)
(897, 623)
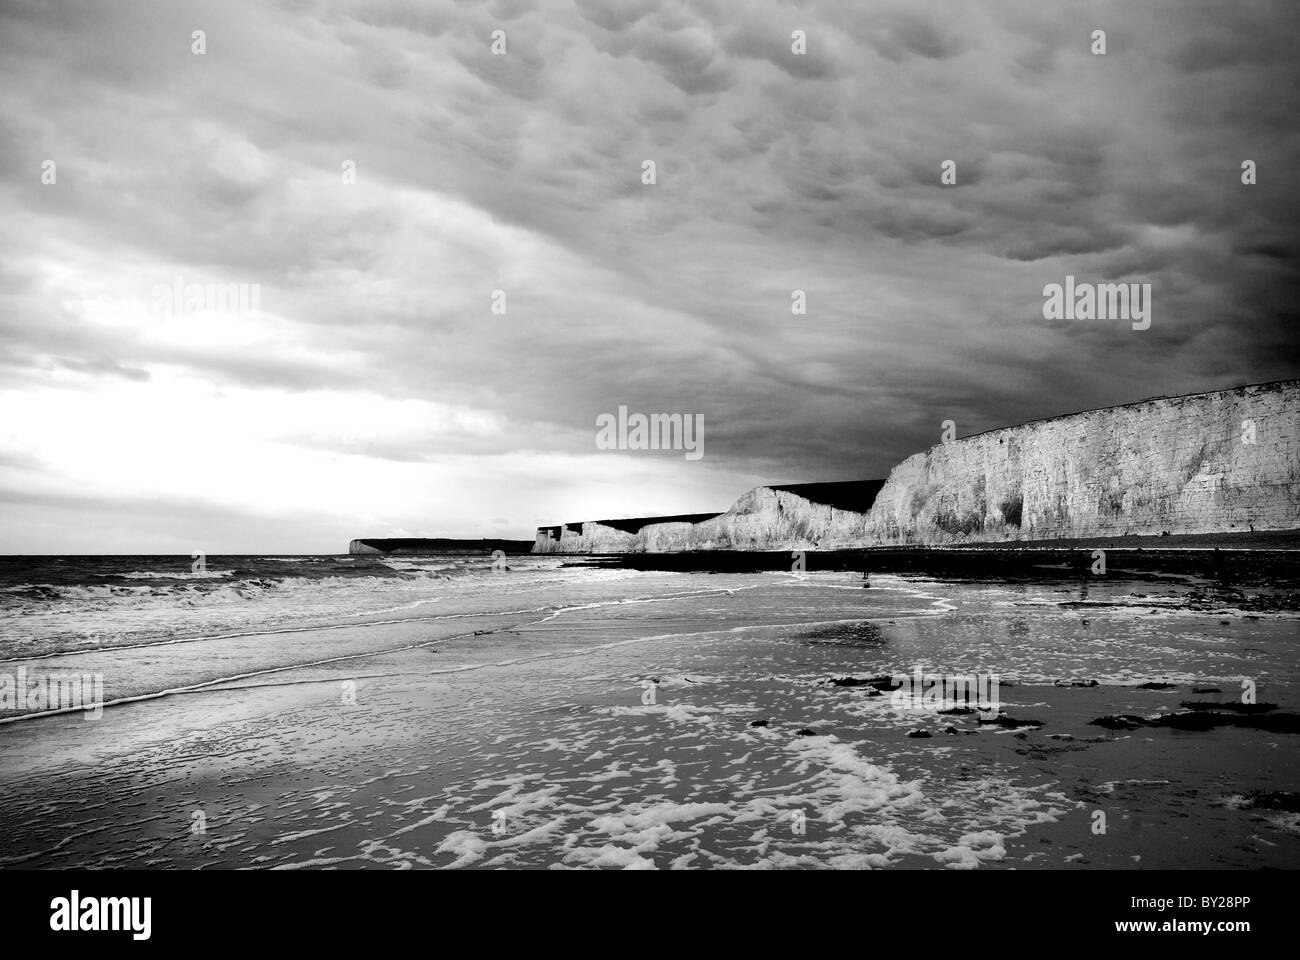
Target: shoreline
(1230, 563)
(533, 743)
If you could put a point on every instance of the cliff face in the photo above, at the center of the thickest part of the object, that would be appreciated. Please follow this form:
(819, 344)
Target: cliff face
(765, 518)
(1176, 465)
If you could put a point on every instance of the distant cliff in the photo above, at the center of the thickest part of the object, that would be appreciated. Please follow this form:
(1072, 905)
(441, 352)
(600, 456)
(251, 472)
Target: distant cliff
(418, 546)
(618, 536)
(1218, 462)
(796, 516)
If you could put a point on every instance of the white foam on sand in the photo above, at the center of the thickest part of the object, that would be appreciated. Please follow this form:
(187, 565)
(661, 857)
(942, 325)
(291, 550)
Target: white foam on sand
(857, 813)
(534, 749)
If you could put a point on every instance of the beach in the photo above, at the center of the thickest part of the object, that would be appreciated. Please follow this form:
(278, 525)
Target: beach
(563, 717)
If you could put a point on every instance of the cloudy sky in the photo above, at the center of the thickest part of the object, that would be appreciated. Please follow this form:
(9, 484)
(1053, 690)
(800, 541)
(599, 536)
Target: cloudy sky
(374, 392)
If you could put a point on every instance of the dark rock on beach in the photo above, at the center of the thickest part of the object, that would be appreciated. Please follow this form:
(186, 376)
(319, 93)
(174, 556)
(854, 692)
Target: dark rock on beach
(1010, 723)
(1190, 721)
(884, 682)
(1177, 721)
(1272, 723)
(1205, 719)
(1275, 800)
(1121, 721)
(1232, 597)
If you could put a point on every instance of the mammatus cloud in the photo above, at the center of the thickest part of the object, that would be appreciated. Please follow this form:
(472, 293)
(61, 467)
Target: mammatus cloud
(374, 390)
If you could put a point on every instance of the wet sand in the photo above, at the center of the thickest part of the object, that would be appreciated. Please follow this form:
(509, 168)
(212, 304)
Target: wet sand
(525, 739)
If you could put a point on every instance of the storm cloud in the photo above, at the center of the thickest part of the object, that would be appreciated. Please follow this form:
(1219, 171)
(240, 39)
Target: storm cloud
(377, 172)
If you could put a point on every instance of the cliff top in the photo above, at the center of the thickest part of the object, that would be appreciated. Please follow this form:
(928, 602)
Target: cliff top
(855, 495)
(634, 524)
(1293, 384)
(391, 544)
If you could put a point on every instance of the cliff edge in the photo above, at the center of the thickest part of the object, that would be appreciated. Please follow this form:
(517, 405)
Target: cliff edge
(1220, 462)
(419, 546)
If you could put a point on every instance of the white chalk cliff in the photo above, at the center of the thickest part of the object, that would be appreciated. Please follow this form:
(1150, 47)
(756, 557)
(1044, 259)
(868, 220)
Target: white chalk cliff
(1220, 462)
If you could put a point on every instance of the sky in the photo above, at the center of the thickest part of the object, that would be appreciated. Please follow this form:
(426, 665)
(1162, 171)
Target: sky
(368, 174)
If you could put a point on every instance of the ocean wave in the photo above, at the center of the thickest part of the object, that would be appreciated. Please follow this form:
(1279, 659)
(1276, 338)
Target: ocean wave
(37, 619)
(162, 575)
